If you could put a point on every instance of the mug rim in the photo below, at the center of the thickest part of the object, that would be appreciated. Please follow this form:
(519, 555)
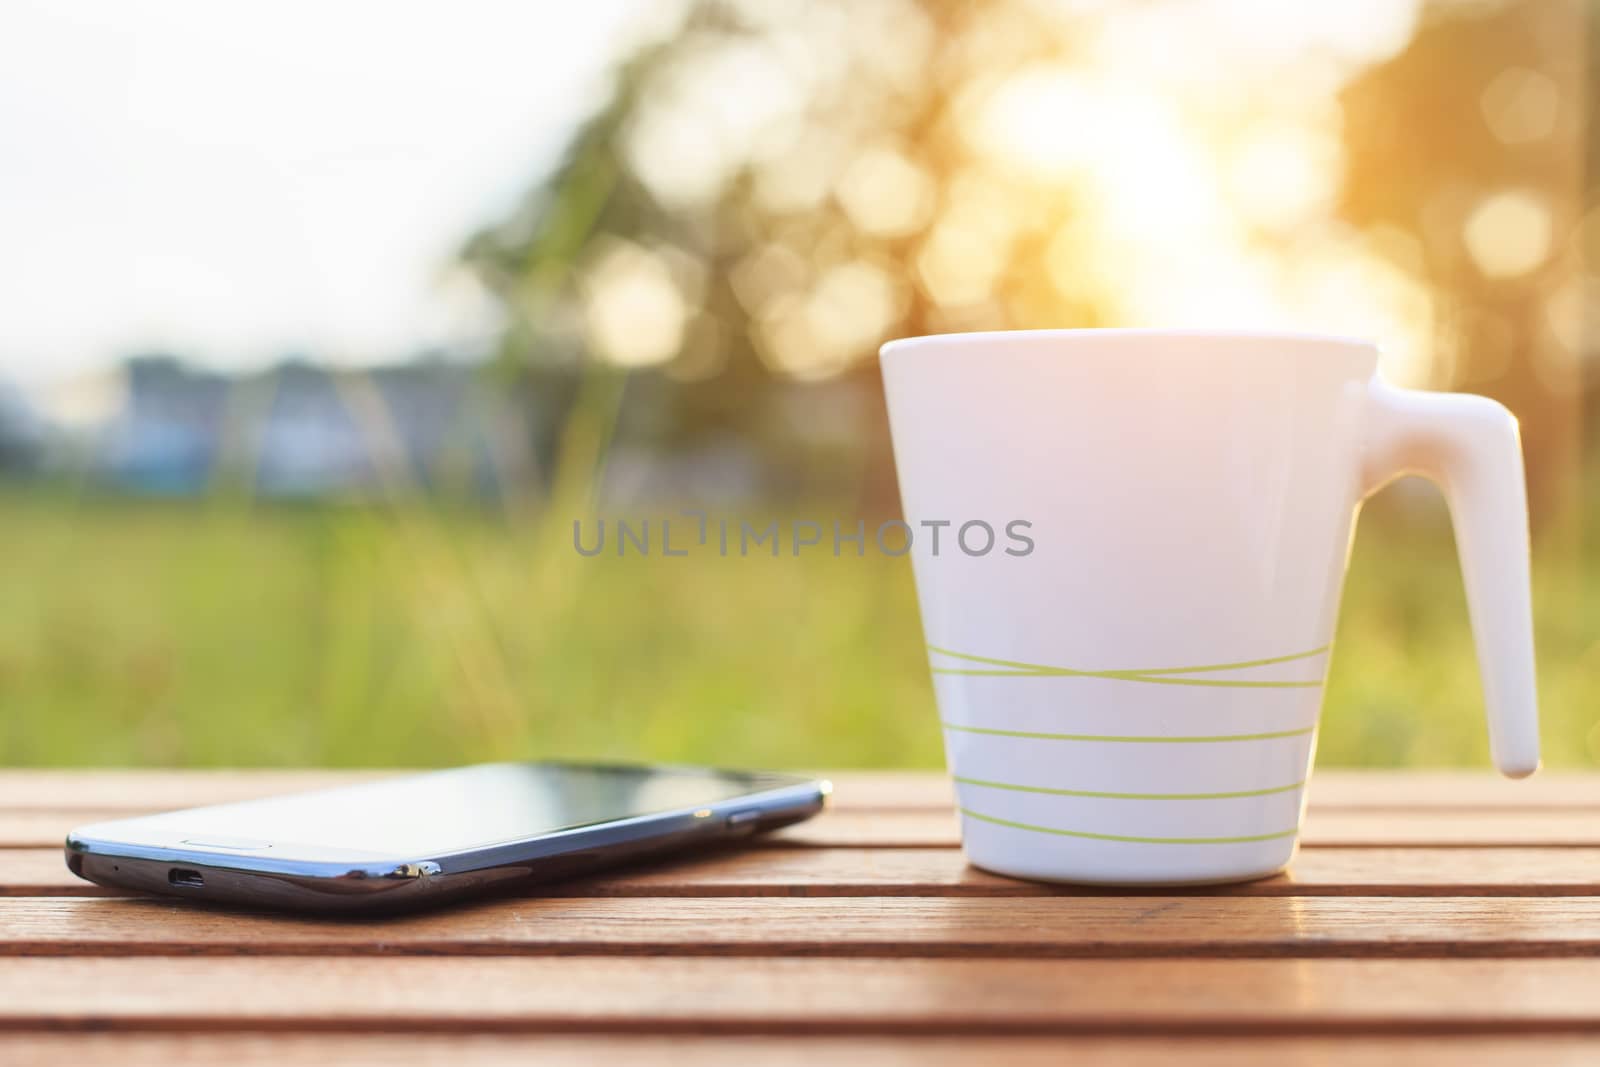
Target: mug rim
(1129, 333)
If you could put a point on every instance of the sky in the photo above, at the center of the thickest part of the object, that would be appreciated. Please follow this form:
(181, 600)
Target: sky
(235, 182)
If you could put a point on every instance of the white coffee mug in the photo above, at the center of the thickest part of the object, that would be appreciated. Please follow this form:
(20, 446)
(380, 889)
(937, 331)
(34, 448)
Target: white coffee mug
(1134, 700)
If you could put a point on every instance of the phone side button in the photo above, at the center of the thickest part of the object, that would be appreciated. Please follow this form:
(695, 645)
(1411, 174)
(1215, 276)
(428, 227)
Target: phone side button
(747, 817)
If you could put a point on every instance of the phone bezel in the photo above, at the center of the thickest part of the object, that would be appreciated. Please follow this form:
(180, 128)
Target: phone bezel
(364, 881)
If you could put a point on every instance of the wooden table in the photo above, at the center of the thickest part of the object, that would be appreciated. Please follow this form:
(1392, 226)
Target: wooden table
(1444, 918)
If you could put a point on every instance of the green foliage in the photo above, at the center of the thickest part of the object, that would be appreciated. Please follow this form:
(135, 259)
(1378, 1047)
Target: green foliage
(162, 634)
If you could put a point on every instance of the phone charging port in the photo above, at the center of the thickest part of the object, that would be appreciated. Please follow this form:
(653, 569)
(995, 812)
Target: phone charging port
(185, 877)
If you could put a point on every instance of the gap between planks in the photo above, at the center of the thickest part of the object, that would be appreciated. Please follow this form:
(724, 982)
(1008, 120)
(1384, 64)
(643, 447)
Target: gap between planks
(276, 1049)
(926, 927)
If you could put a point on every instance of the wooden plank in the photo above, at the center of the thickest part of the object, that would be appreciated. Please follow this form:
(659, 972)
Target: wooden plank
(44, 828)
(1331, 828)
(937, 828)
(945, 872)
(1343, 828)
(1500, 829)
(474, 1050)
(1108, 926)
(159, 790)
(834, 995)
(32, 872)
(845, 872)
(1452, 790)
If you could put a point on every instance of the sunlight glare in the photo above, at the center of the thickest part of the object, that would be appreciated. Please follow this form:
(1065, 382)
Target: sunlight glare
(1283, 173)
(1047, 120)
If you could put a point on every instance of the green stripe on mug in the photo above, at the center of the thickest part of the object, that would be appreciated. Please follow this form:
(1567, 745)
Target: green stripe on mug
(1129, 796)
(1150, 675)
(1241, 839)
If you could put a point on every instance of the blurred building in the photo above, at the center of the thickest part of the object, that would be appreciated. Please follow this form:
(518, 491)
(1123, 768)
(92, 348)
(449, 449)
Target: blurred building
(21, 434)
(167, 436)
(300, 429)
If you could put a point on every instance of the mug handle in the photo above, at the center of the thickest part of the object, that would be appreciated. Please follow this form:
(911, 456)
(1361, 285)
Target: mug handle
(1471, 448)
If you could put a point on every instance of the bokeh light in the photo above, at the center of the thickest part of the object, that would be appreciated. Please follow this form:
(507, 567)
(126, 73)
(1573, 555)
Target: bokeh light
(1508, 234)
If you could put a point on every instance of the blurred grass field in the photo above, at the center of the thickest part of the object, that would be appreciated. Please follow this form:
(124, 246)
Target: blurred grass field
(225, 633)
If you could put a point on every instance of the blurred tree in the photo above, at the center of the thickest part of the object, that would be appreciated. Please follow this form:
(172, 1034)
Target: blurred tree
(1468, 151)
(753, 207)
(776, 187)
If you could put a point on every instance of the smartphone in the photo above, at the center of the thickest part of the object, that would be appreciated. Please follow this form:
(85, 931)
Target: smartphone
(418, 840)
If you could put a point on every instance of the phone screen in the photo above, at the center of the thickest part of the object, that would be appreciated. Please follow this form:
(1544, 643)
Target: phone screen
(450, 811)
